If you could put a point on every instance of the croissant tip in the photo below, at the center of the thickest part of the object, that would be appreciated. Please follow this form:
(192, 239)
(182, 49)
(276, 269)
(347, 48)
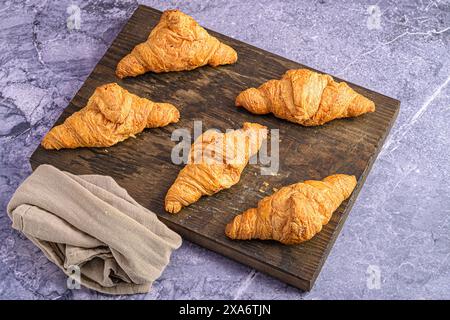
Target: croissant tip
(46, 144)
(238, 100)
(234, 56)
(253, 125)
(367, 105)
(175, 117)
(177, 112)
(173, 207)
(228, 230)
(171, 10)
(120, 73)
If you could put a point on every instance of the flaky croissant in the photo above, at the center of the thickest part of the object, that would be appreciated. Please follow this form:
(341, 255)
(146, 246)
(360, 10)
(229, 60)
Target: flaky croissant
(177, 43)
(111, 115)
(216, 161)
(294, 213)
(305, 97)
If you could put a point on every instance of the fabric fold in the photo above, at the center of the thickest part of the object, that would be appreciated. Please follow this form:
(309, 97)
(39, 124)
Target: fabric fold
(119, 246)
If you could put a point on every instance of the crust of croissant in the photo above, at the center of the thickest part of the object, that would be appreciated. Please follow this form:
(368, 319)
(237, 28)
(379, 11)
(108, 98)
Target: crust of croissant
(177, 43)
(111, 115)
(294, 213)
(305, 97)
(216, 161)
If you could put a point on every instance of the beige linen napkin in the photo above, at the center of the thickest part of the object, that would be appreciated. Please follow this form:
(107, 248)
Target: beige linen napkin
(91, 222)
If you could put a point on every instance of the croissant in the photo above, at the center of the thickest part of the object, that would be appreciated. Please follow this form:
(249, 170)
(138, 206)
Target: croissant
(216, 161)
(111, 115)
(177, 43)
(294, 213)
(305, 97)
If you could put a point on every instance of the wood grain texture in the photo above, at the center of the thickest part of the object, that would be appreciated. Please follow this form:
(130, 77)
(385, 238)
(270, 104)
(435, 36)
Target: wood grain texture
(143, 165)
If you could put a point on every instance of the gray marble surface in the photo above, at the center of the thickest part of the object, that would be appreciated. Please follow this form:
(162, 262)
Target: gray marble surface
(400, 225)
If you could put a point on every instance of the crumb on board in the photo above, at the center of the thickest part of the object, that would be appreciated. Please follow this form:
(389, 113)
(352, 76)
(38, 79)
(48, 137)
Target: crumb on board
(275, 189)
(261, 190)
(265, 183)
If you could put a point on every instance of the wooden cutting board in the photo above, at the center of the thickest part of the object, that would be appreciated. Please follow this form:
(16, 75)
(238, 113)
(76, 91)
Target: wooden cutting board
(143, 165)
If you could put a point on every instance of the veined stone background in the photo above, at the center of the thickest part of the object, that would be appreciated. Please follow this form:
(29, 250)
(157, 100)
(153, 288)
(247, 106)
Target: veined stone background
(399, 227)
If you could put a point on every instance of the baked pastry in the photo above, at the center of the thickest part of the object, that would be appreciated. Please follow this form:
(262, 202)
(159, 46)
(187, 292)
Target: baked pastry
(216, 161)
(294, 213)
(177, 43)
(305, 97)
(111, 115)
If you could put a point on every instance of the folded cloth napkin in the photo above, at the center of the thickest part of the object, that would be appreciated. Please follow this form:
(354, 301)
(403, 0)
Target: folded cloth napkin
(91, 222)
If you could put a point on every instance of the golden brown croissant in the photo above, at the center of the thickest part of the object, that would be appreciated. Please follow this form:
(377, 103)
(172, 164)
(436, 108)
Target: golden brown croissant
(305, 97)
(177, 43)
(294, 213)
(111, 115)
(216, 161)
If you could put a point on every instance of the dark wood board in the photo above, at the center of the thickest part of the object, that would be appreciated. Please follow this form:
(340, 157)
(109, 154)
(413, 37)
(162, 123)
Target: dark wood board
(143, 165)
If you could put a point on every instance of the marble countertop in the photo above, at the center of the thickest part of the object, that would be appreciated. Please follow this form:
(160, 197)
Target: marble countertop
(396, 241)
